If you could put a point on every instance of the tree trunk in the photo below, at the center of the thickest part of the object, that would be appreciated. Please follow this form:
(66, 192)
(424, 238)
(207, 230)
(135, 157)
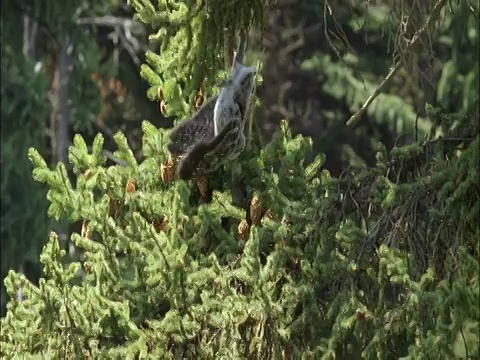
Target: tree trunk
(60, 116)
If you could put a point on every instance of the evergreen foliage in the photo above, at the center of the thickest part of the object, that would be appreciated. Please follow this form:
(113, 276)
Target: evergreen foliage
(381, 262)
(26, 110)
(167, 279)
(191, 38)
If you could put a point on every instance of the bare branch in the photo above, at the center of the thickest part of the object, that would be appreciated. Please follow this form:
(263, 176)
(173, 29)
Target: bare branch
(122, 33)
(341, 35)
(108, 20)
(112, 157)
(435, 12)
(227, 47)
(242, 47)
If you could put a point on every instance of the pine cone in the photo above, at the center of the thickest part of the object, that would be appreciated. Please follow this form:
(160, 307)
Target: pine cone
(131, 185)
(198, 101)
(180, 229)
(255, 210)
(243, 230)
(202, 183)
(168, 170)
(161, 225)
(114, 208)
(270, 215)
(87, 174)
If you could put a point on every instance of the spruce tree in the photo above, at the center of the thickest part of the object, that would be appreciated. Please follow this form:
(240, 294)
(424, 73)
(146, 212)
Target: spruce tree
(381, 262)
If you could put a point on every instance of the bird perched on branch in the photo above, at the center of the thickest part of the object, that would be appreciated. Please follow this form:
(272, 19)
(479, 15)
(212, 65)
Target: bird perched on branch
(215, 134)
(232, 105)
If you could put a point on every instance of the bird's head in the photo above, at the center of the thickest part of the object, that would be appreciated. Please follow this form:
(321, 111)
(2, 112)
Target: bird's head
(235, 93)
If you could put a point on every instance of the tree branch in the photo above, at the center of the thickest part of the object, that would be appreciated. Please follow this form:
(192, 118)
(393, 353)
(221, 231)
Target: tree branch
(106, 21)
(242, 47)
(435, 12)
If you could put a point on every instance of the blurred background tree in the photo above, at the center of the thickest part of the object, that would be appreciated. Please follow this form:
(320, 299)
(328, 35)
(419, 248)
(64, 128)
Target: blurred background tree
(323, 59)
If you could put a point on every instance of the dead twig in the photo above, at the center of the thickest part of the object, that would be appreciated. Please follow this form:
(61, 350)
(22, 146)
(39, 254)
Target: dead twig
(122, 33)
(106, 21)
(339, 35)
(435, 12)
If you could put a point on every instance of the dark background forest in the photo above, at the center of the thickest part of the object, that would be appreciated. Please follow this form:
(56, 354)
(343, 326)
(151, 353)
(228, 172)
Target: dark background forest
(75, 67)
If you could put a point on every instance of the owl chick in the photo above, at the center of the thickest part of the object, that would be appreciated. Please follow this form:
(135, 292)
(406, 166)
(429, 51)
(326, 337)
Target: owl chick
(216, 133)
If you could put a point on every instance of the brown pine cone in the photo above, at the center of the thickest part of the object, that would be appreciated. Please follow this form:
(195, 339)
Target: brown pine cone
(114, 208)
(270, 215)
(161, 225)
(202, 183)
(131, 185)
(168, 170)
(243, 230)
(255, 210)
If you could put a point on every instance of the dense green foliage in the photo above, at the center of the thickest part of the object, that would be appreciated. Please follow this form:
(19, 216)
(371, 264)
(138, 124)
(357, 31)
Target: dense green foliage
(307, 280)
(381, 262)
(191, 37)
(26, 110)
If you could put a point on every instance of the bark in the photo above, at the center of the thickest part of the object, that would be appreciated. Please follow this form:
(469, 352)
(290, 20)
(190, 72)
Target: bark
(59, 97)
(60, 116)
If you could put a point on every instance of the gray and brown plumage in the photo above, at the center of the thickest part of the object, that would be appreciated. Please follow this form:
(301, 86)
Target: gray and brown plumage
(232, 104)
(198, 128)
(206, 156)
(215, 134)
